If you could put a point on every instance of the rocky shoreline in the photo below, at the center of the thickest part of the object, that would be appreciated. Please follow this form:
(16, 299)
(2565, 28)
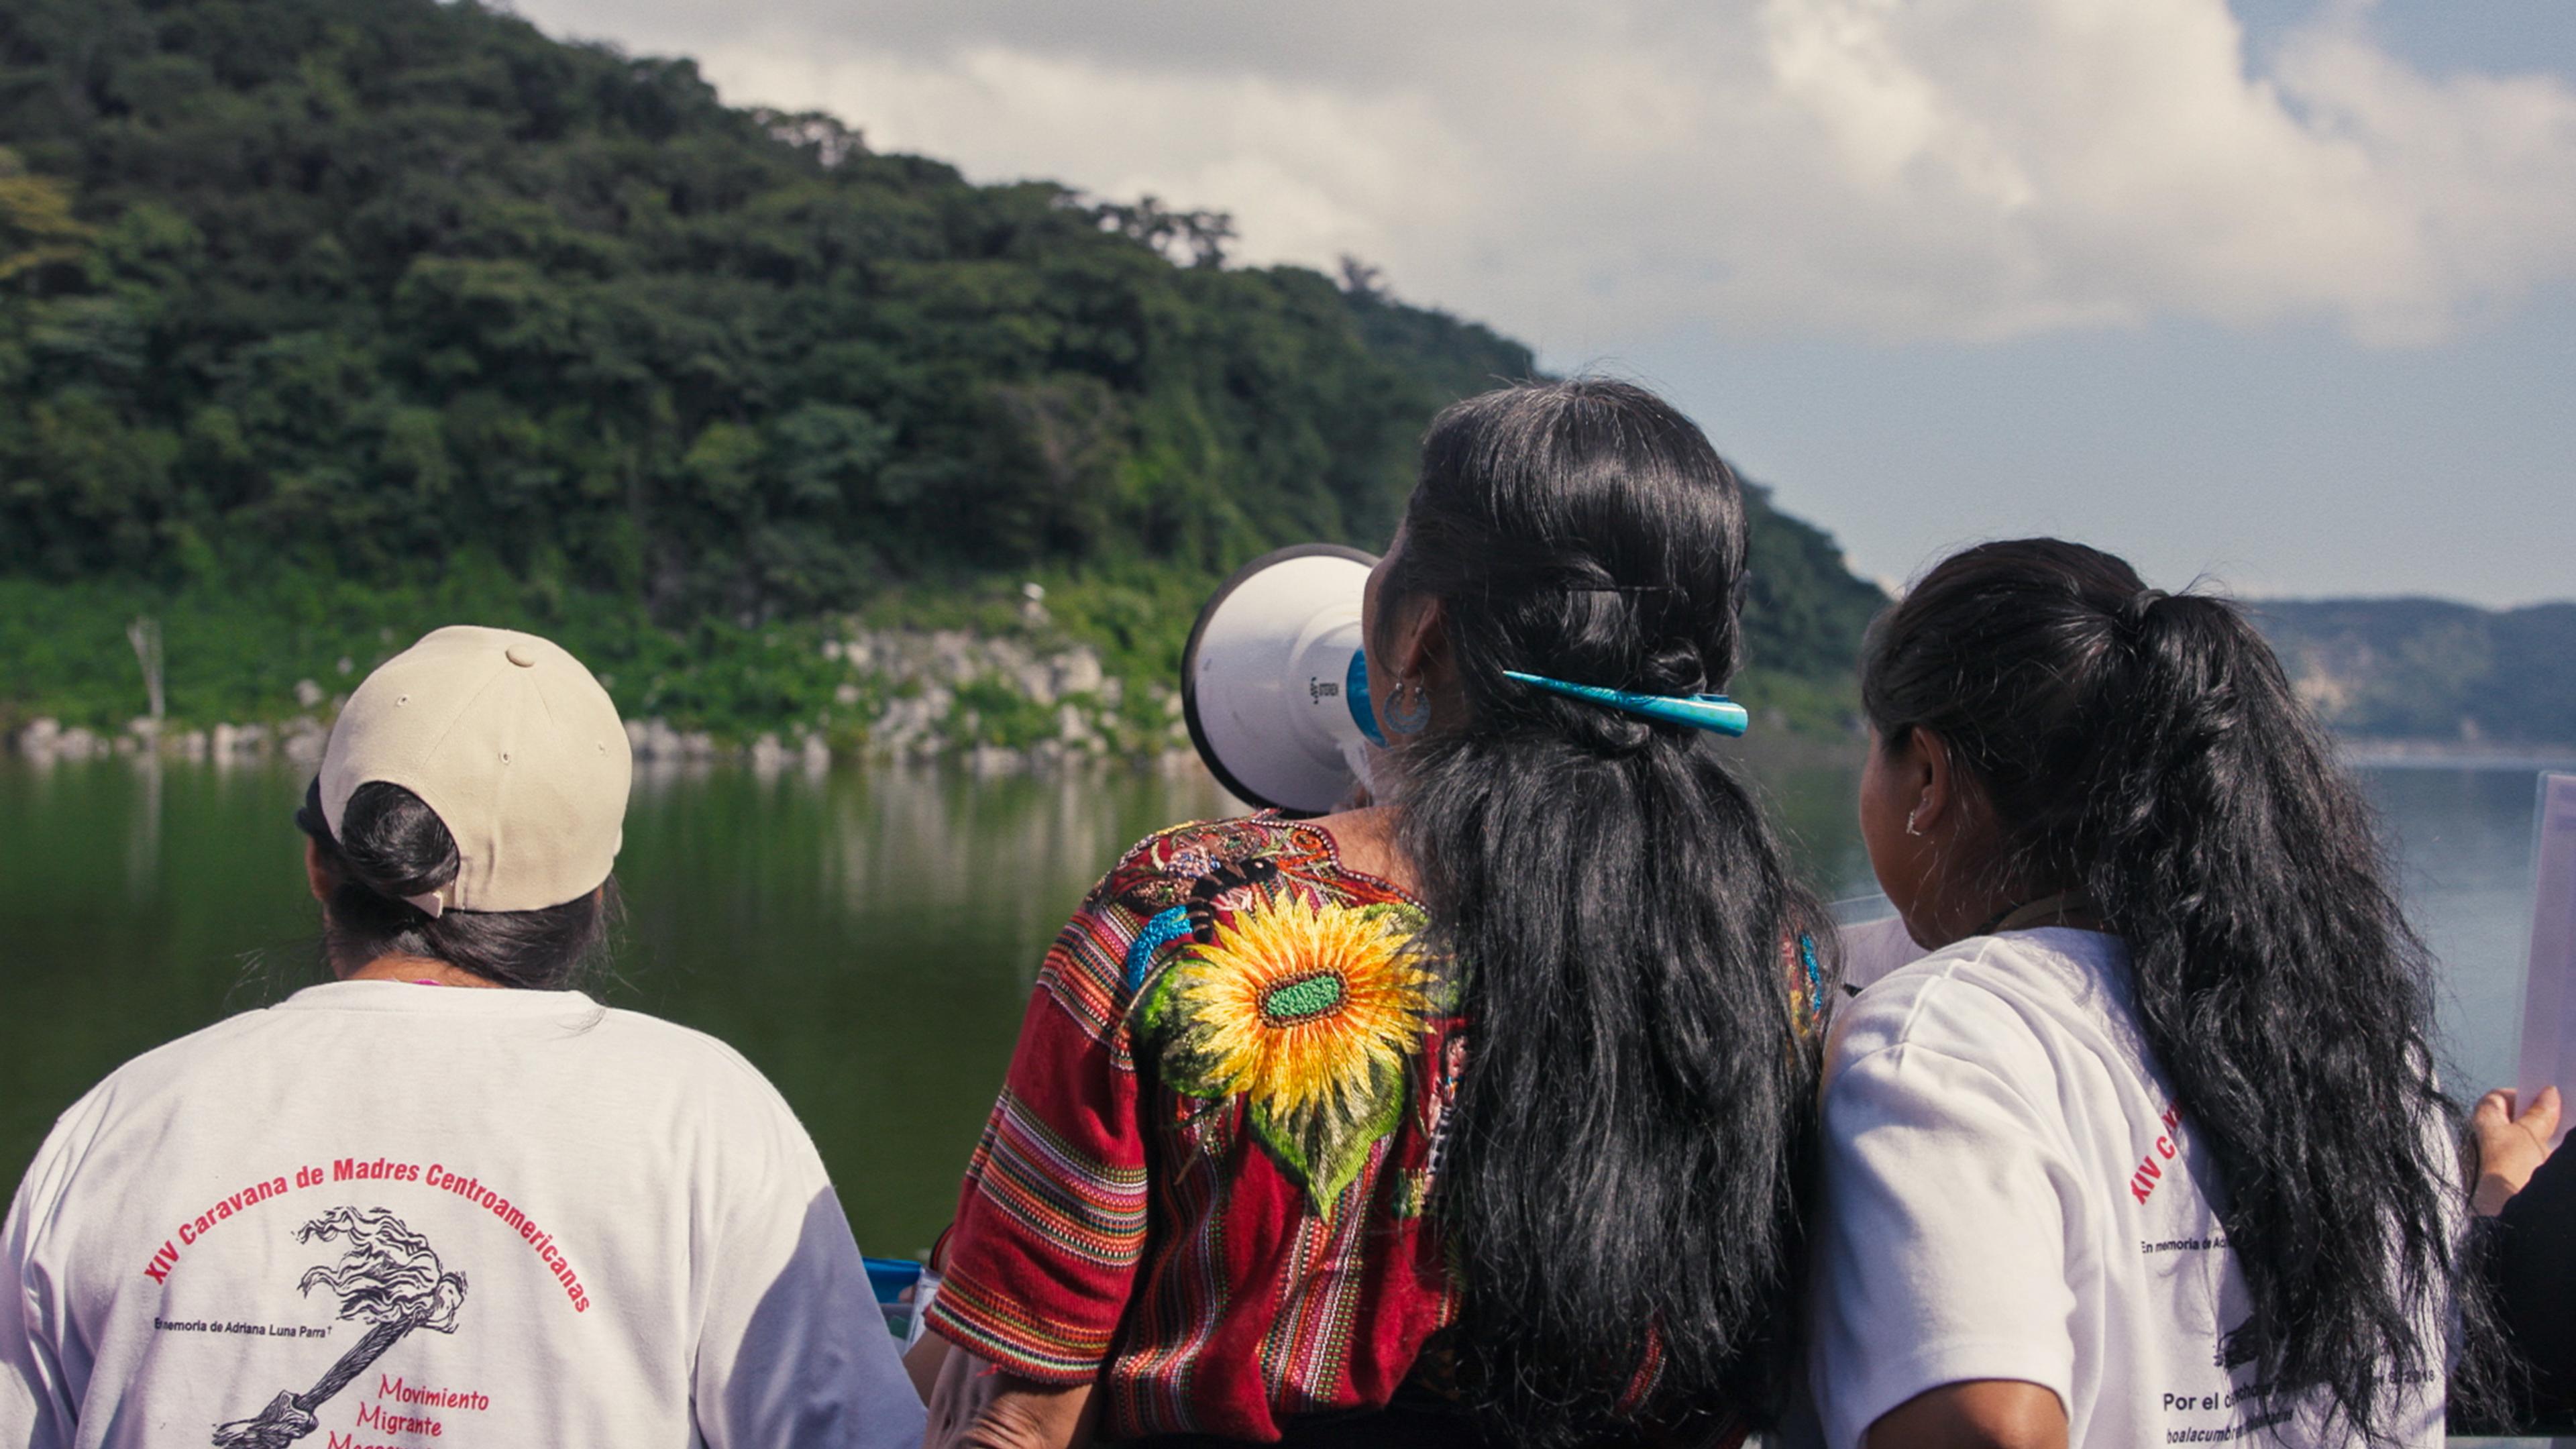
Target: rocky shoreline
(995, 704)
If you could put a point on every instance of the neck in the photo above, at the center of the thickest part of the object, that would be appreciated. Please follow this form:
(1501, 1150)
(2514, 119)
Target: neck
(1366, 840)
(2015, 908)
(399, 967)
(2065, 908)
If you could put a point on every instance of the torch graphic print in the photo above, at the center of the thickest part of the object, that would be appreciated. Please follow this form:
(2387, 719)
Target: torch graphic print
(388, 1277)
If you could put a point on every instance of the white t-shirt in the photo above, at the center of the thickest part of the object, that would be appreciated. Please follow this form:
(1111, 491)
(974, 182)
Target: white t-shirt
(382, 1213)
(2009, 1193)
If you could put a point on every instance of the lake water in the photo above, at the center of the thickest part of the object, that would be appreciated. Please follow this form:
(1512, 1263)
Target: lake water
(867, 938)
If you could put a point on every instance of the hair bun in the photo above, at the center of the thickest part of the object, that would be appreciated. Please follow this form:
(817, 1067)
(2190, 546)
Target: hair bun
(1674, 666)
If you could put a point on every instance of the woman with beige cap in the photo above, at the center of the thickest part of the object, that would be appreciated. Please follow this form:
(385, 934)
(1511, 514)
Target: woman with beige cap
(407, 1206)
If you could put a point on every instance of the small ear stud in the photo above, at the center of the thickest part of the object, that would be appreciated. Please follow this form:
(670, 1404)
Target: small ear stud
(1911, 828)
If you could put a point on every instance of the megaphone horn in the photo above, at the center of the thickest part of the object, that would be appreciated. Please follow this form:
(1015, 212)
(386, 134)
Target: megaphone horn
(1274, 685)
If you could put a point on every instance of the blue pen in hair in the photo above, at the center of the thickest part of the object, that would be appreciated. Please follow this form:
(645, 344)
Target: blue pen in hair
(1712, 712)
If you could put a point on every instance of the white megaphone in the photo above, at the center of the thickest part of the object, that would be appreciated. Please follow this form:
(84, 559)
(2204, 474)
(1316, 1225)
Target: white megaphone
(1273, 683)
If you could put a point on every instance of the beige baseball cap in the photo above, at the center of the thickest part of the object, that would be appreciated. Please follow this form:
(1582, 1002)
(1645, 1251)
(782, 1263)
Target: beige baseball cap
(516, 747)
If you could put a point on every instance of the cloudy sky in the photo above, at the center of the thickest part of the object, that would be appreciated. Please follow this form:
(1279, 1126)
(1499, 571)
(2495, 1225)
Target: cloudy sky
(2282, 292)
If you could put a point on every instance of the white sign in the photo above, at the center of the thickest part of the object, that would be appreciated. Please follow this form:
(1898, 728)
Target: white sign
(2549, 991)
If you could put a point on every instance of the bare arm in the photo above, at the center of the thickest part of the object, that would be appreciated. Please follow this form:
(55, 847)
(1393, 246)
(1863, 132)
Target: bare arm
(974, 1405)
(922, 1361)
(1979, 1414)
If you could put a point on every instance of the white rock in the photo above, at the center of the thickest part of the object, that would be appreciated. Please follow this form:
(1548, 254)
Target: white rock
(233, 741)
(989, 760)
(39, 735)
(304, 739)
(308, 694)
(1035, 680)
(1078, 671)
(953, 656)
(845, 694)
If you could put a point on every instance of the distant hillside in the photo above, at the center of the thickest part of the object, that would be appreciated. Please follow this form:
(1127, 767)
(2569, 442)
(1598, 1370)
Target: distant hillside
(393, 293)
(2427, 669)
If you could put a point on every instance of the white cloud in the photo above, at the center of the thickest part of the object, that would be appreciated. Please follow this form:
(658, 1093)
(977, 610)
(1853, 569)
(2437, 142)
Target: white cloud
(1894, 169)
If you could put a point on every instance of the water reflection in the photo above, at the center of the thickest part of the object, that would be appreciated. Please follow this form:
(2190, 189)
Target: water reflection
(867, 939)
(2463, 843)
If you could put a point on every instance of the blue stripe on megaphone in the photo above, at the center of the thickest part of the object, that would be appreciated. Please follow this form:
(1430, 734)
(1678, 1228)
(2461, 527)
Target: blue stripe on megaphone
(1355, 691)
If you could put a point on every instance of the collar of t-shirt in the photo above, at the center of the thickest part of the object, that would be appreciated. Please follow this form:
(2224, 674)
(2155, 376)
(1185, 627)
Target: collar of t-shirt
(411, 998)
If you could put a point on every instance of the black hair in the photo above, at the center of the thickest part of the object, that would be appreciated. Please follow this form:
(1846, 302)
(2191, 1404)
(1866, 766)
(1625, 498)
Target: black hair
(1627, 1155)
(2147, 749)
(391, 845)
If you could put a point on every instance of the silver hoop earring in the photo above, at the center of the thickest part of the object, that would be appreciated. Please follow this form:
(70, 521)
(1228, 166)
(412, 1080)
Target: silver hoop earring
(1910, 827)
(1408, 719)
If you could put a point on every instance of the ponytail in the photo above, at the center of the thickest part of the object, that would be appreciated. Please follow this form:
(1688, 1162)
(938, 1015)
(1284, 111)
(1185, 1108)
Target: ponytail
(391, 845)
(1626, 1157)
(2148, 750)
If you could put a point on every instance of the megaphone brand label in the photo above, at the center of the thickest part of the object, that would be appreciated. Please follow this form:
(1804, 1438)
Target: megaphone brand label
(1321, 689)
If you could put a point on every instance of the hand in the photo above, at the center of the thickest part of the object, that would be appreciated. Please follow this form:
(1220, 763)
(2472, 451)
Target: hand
(972, 1404)
(2511, 1145)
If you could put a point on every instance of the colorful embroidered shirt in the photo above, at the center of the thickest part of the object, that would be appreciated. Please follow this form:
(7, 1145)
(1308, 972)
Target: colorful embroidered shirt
(1205, 1183)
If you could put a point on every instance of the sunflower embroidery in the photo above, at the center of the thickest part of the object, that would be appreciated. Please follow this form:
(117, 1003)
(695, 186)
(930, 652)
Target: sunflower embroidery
(1312, 1013)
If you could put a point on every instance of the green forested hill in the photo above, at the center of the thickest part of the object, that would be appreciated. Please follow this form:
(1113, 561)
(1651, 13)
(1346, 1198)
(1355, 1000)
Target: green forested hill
(327, 314)
(2430, 669)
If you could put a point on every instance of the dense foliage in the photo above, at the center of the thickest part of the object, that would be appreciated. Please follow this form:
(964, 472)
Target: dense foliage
(379, 290)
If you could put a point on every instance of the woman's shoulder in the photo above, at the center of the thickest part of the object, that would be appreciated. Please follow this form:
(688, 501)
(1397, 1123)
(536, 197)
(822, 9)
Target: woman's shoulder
(642, 1032)
(1997, 999)
(178, 1070)
(1161, 872)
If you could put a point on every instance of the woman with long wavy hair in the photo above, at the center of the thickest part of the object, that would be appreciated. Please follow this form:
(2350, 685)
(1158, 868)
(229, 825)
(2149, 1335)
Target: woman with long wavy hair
(1476, 1116)
(2149, 1149)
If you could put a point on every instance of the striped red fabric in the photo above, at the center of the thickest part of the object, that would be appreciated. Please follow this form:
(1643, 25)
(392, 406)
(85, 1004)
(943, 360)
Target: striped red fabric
(1219, 1261)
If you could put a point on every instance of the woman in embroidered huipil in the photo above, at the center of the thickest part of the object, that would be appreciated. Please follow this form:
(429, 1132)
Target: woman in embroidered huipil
(1479, 1115)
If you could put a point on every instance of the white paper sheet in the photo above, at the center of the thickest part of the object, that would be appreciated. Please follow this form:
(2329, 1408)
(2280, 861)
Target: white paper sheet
(2549, 990)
